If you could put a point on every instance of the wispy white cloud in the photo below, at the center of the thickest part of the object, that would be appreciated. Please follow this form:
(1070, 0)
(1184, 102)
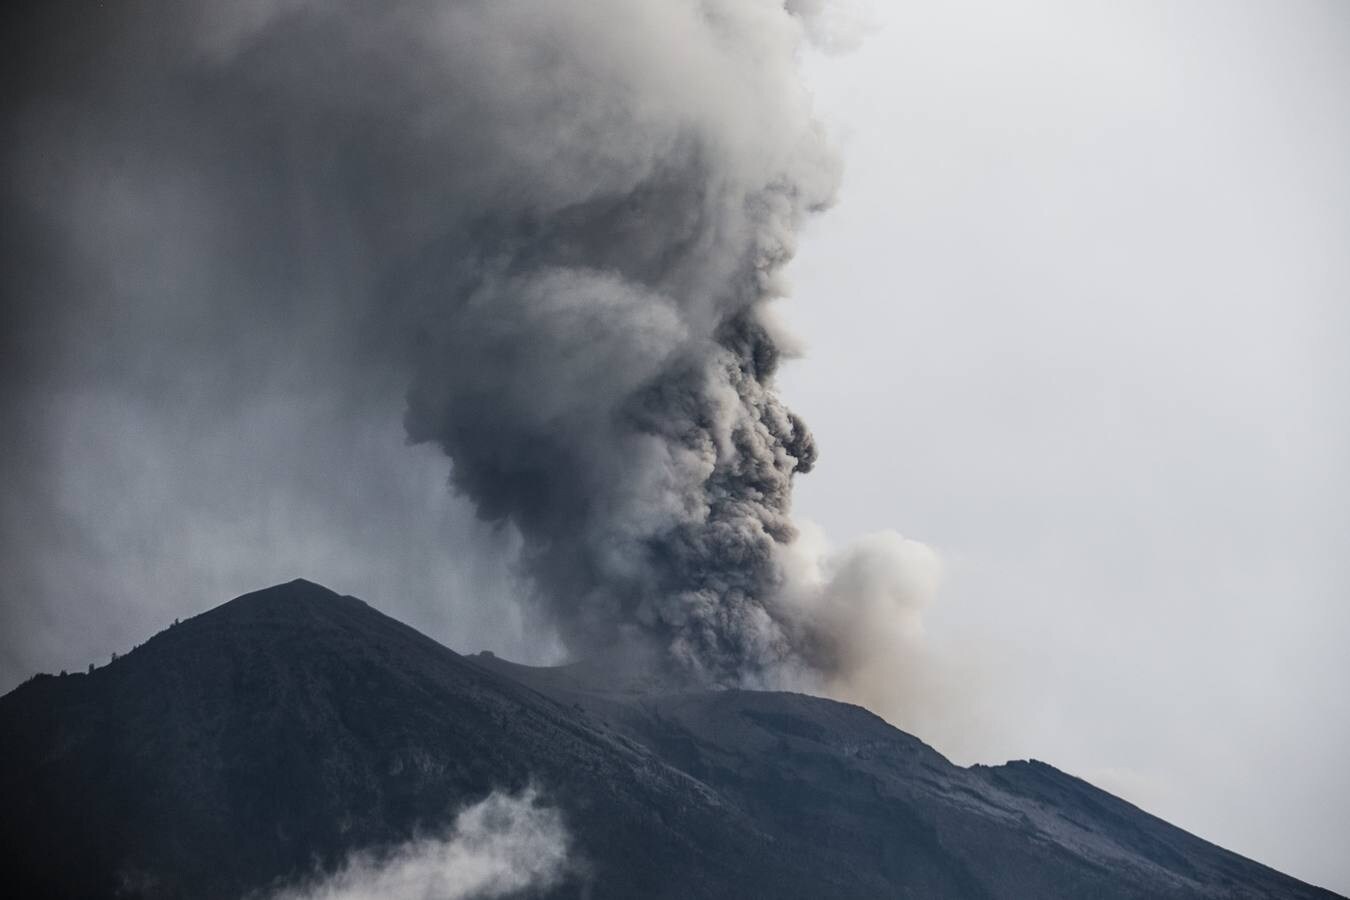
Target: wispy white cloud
(501, 846)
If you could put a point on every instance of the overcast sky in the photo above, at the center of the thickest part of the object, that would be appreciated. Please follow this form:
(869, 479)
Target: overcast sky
(1081, 322)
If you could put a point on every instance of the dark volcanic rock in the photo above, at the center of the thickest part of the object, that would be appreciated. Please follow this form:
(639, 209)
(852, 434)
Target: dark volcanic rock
(275, 734)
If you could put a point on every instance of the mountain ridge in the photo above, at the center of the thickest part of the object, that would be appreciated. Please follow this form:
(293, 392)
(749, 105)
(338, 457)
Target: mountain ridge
(289, 727)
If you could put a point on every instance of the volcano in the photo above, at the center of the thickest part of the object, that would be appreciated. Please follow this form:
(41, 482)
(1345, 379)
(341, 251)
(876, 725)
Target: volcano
(267, 740)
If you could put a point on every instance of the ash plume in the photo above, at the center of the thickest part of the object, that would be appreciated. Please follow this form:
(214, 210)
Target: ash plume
(558, 228)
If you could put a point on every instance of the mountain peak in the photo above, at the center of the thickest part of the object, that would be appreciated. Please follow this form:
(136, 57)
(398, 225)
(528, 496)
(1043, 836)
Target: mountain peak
(298, 590)
(297, 600)
(294, 726)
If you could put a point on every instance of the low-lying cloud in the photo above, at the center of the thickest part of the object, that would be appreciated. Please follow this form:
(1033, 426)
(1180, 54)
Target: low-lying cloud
(505, 845)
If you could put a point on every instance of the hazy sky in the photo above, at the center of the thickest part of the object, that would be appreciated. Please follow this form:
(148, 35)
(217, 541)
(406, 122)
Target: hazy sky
(1081, 322)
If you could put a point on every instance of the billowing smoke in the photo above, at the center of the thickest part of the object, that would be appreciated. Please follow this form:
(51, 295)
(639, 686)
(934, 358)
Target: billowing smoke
(559, 226)
(597, 357)
(506, 845)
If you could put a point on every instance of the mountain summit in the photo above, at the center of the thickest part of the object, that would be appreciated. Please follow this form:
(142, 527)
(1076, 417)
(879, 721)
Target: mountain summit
(263, 743)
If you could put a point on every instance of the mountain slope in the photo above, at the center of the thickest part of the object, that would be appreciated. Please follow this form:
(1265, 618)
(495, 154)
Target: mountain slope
(281, 731)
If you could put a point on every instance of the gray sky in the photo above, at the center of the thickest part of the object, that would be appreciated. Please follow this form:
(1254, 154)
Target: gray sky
(1081, 323)
(1078, 322)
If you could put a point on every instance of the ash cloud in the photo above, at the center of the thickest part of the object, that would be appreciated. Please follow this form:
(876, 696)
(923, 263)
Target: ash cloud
(505, 845)
(551, 233)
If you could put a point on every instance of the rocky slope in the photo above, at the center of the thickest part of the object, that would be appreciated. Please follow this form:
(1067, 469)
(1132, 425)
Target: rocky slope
(270, 737)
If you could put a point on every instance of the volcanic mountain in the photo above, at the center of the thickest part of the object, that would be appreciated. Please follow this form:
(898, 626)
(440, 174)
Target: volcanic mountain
(267, 740)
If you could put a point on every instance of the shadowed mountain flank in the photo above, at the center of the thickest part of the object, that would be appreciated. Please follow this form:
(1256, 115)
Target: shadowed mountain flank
(268, 739)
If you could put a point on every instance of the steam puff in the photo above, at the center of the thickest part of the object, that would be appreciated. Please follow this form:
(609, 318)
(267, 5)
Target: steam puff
(505, 845)
(863, 607)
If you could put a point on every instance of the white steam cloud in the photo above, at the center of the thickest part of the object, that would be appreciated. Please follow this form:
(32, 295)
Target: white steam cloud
(865, 603)
(502, 846)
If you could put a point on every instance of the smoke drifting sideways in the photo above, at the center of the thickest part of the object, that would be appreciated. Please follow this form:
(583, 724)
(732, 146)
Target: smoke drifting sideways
(560, 227)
